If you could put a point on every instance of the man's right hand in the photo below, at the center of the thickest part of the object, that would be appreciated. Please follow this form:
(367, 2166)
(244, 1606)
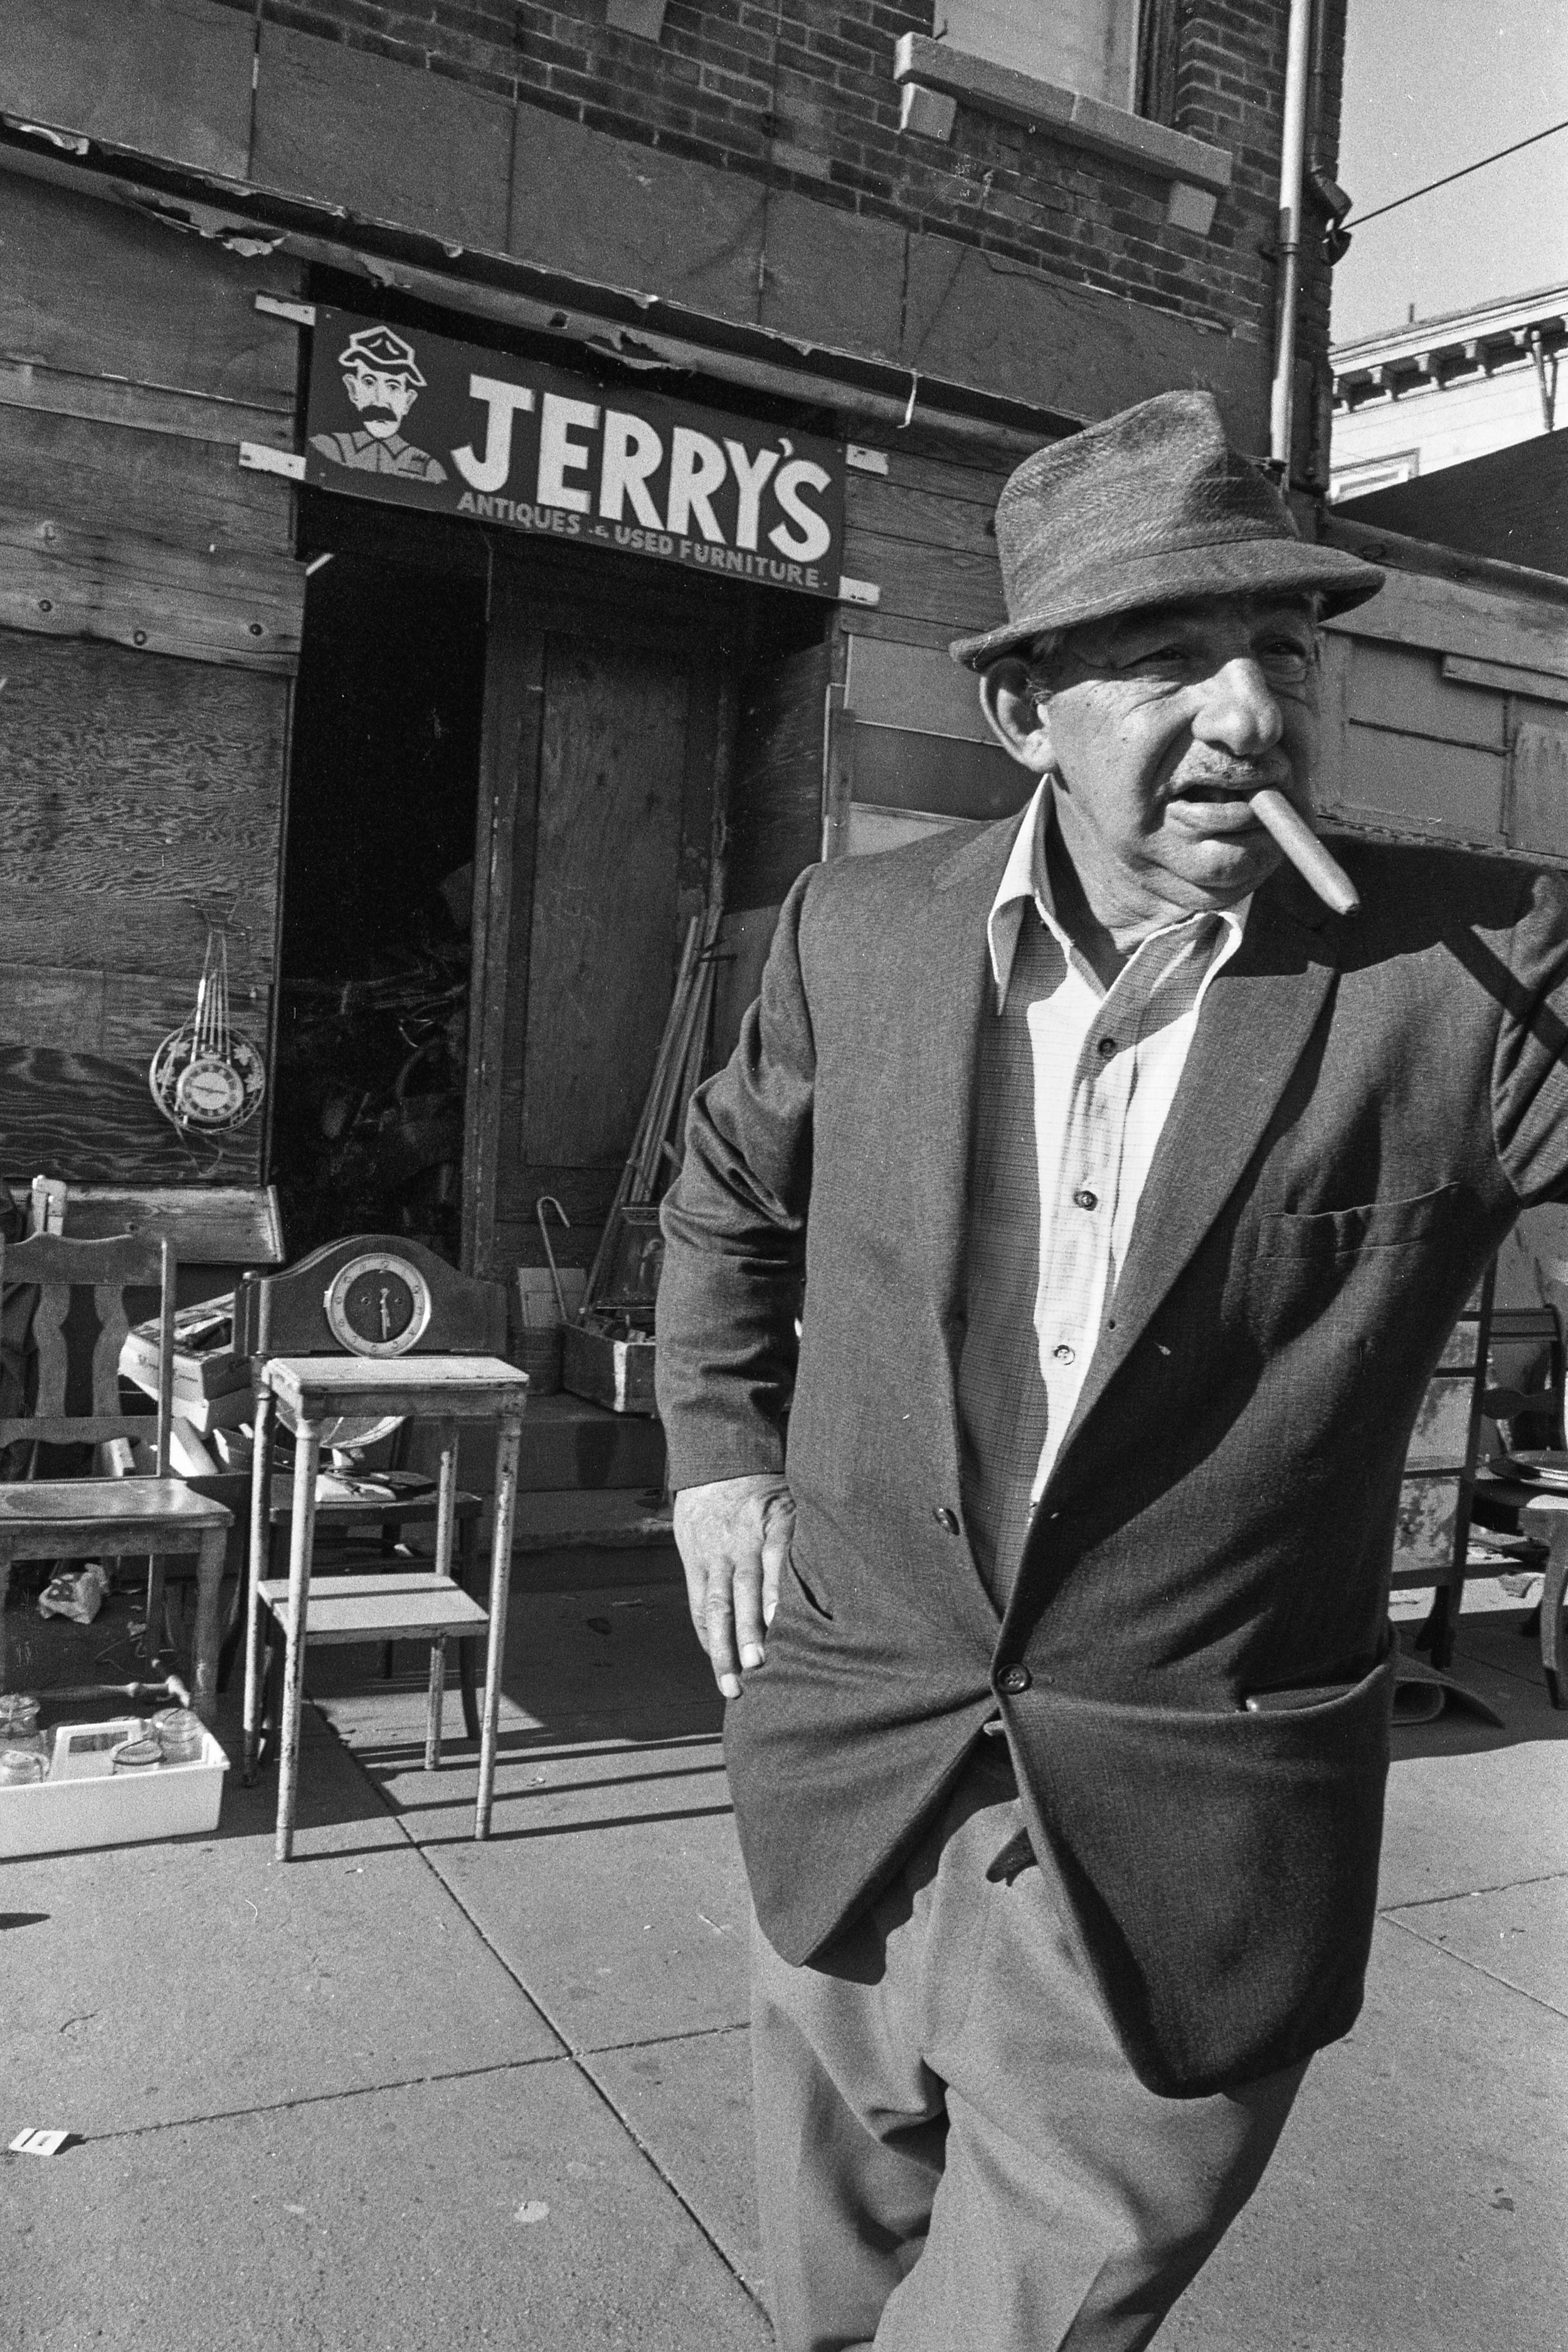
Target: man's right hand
(733, 1537)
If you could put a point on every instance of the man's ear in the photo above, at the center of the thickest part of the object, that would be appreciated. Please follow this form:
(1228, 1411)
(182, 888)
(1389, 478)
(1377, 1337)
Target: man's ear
(1016, 715)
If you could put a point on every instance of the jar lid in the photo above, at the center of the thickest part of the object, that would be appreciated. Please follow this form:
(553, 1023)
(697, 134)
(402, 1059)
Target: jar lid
(18, 1766)
(18, 1712)
(136, 1756)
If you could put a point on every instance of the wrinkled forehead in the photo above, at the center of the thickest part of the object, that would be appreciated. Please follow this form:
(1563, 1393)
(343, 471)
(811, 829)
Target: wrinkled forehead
(1199, 619)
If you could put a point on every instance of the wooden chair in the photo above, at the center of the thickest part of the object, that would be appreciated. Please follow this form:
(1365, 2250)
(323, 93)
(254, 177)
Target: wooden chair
(1532, 1511)
(373, 1326)
(45, 1518)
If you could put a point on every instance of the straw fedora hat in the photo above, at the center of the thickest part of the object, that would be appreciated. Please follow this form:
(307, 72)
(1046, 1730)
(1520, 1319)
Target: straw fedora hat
(1152, 507)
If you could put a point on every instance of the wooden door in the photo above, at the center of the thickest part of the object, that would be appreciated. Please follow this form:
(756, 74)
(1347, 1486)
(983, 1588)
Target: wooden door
(596, 820)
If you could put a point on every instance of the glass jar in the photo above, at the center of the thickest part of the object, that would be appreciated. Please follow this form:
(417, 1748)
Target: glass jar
(22, 1768)
(178, 1733)
(137, 1756)
(18, 1714)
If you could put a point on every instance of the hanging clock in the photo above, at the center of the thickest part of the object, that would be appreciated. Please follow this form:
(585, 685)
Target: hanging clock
(378, 1305)
(208, 1076)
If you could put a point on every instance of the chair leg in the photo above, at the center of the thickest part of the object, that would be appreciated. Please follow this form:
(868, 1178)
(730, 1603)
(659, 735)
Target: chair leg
(258, 1561)
(209, 1615)
(434, 1708)
(157, 1613)
(1551, 1597)
(500, 1588)
(303, 1532)
(465, 1684)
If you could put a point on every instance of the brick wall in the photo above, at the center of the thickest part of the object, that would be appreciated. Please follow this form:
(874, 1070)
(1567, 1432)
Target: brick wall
(800, 93)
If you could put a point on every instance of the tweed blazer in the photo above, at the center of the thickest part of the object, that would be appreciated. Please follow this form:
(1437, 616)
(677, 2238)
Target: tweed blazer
(1365, 1108)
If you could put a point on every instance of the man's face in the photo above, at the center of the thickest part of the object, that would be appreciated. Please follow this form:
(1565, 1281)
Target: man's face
(1158, 723)
(382, 401)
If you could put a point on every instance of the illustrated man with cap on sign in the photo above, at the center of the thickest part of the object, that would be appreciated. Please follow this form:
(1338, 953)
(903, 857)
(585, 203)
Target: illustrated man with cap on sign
(1134, 1185)
(382, 380)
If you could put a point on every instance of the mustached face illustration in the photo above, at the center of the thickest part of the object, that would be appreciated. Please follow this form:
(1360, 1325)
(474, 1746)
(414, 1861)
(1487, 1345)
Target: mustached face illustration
(382, 398)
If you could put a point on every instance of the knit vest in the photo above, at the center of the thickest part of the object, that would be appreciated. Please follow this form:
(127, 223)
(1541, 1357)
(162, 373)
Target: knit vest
(1001, 1396)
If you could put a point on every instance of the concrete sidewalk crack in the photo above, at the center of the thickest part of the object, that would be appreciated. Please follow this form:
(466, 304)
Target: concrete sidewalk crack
(1448, 1952)
(325, 2098)
(574, 2055)
(1463, 1893)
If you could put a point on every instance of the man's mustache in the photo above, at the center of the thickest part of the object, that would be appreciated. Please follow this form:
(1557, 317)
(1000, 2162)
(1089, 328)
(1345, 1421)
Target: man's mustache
(1230, 775)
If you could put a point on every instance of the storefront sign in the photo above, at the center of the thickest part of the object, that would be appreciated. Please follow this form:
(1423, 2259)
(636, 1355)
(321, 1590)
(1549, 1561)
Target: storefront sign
(421, 421)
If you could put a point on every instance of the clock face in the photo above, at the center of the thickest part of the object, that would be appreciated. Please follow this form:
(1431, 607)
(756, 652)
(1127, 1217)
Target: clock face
(208, 1092)
(378, 1305)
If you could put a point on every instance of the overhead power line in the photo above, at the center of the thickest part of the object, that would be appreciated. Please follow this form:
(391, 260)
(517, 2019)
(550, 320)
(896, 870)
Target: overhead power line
(1359, 220)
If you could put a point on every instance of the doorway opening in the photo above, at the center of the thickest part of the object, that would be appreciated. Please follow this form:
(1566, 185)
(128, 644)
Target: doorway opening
(377, 903)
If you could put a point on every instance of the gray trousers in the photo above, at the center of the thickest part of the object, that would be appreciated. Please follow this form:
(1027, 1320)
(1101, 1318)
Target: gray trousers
(952, 2150)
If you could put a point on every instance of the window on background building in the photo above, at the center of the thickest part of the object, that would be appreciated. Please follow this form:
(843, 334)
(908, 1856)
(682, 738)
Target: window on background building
(1373, 473)
(1088, 46)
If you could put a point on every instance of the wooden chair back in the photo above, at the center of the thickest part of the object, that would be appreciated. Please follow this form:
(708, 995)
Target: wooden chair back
(1552, 1279)
(61, 1269)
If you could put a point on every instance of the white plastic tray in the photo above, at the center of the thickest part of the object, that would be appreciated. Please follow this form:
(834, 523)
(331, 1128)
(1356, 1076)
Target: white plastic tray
(128, 1808)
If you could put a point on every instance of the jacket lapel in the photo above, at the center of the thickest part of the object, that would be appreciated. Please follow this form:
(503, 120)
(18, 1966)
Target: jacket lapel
(1256, 1018)
(951, 980)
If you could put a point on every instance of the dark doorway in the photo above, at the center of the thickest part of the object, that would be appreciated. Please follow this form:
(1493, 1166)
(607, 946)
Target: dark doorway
(377, 902)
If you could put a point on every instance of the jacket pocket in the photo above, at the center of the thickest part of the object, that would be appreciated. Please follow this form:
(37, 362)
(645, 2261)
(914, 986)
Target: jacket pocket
(1347, 1232)
(1225, 1868)
(807, 1593)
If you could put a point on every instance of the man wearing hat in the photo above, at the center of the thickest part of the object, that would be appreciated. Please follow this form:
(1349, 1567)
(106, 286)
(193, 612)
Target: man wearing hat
(382, 380)
(1135, 1191)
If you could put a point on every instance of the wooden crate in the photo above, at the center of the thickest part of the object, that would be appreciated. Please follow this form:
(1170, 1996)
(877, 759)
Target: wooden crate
(614, 1372)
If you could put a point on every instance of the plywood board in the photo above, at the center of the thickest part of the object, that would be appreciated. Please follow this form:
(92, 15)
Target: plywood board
(89, 1119)
(893, 767)
(1416, 608)
(1540, 776)
(931, 518)
(164, 77)
(59, 579)
(124, 1014)
(147, 485)
(1449, 789)
(602, 960)
(383, 138)
(962, 590)
(143, 408)
(894, 685)
(141, 935)
(127, 777)
(1404, 688)
(93, 288)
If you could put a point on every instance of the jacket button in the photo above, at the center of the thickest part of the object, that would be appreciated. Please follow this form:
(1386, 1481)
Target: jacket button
(1014, 1679)
(947, 1520)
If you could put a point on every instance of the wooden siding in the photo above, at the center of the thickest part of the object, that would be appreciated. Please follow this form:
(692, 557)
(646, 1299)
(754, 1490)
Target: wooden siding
(150, 610)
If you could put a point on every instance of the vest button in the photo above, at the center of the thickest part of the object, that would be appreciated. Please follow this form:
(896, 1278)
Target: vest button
(1084, 1199)
(1014, 1679)
(1106, 1047)
(946, 1520)
(1063, 1354)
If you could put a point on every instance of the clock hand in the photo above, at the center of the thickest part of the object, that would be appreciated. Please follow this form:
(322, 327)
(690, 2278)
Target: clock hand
(386, 1316)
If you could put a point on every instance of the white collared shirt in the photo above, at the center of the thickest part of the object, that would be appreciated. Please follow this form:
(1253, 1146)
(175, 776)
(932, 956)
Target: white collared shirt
(1107, 1063)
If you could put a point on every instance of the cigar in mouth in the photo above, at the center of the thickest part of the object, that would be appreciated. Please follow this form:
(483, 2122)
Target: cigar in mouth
(1312, 862)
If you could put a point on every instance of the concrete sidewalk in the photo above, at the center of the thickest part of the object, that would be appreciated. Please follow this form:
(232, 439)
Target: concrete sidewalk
(408, 2090)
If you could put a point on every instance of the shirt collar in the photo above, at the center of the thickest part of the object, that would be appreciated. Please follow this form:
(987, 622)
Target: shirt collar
(1027, 876)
